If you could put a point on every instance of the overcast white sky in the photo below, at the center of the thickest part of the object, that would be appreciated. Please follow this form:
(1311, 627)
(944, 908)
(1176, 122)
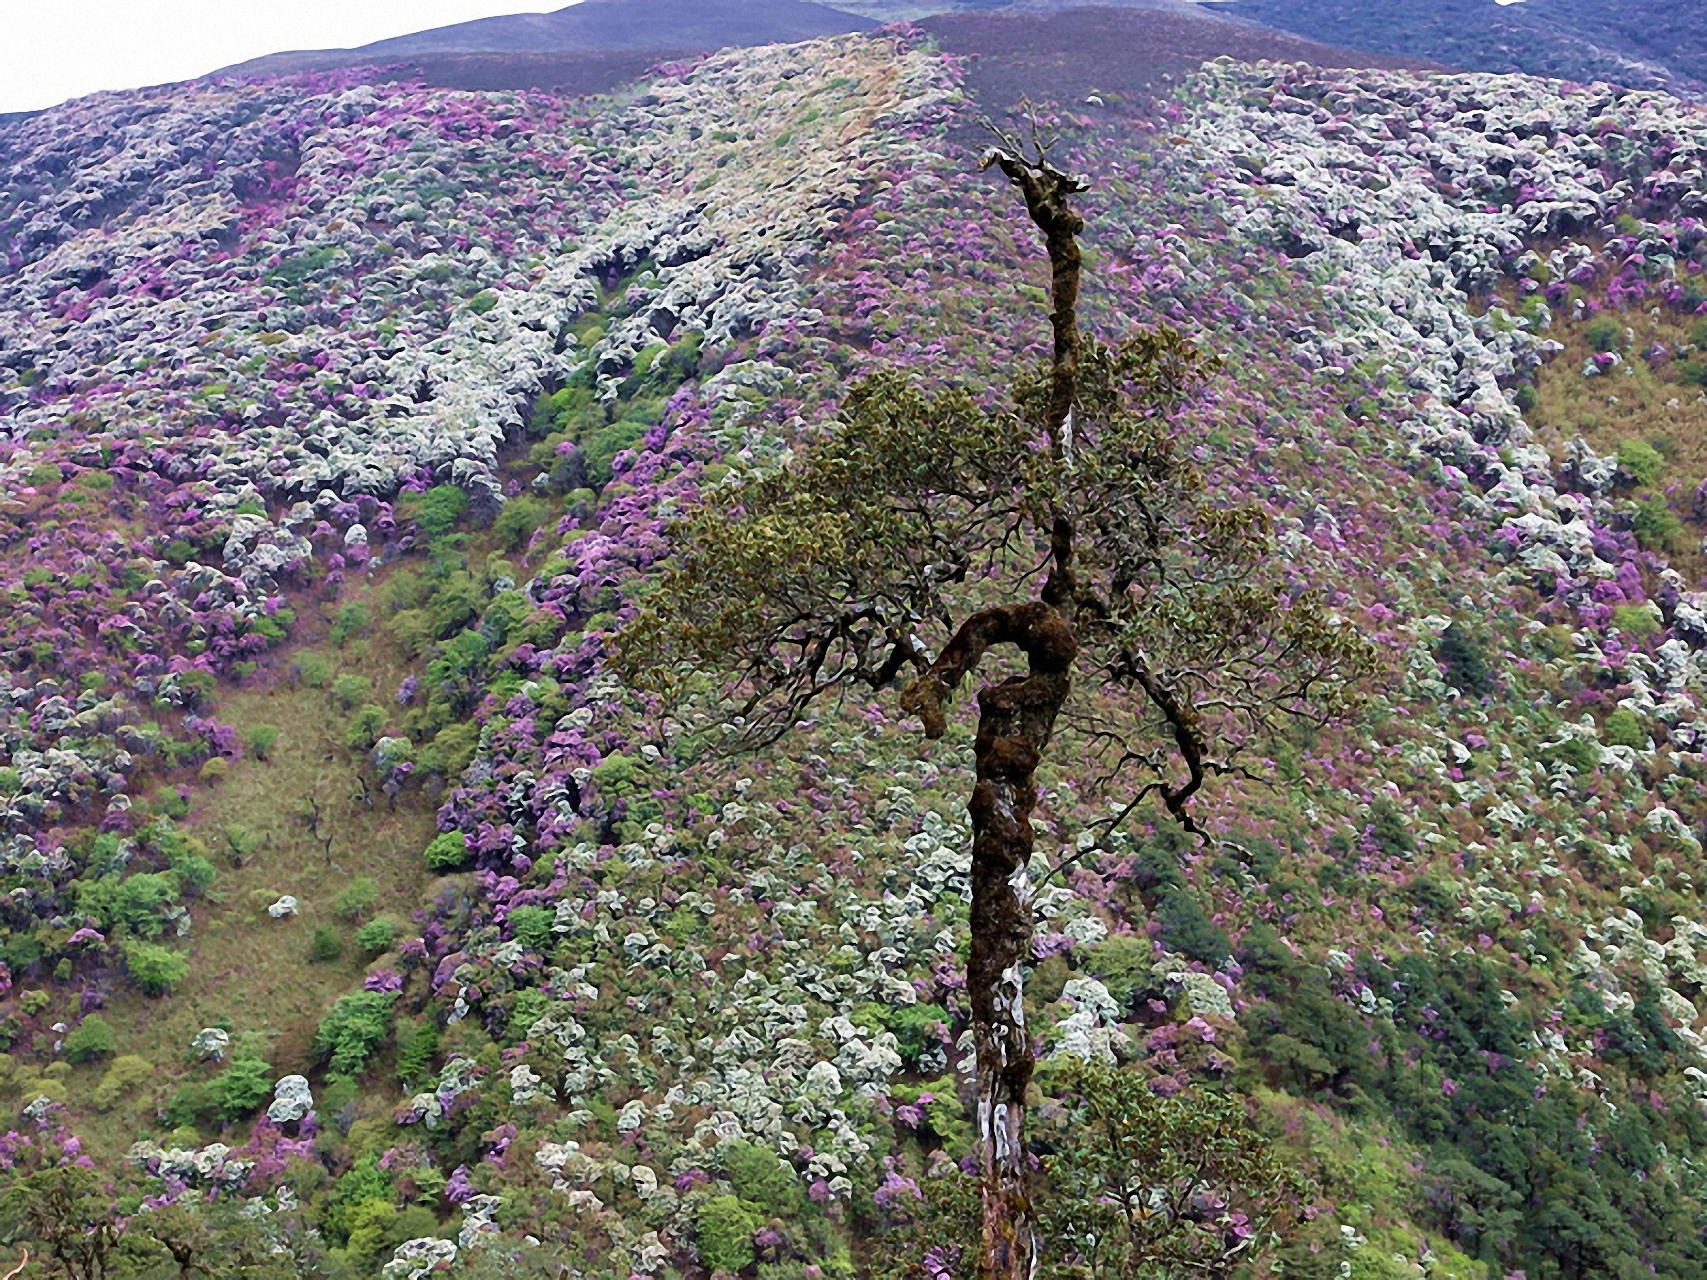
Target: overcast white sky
(51, 50)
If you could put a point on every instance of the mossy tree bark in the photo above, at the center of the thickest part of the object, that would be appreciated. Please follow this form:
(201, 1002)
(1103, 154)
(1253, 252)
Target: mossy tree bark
(1016, 719)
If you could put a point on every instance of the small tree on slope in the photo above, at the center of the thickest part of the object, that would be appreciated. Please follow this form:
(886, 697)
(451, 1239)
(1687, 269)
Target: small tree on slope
(1071, 528)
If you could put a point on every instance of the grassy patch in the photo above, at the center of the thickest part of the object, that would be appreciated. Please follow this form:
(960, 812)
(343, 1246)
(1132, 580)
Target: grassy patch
(247, 970)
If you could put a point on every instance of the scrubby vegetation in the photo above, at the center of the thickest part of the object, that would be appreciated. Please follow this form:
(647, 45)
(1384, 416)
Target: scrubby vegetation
(1430, 991)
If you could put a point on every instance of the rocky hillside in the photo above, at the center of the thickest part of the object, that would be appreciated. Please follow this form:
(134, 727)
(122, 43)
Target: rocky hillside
(343, 425)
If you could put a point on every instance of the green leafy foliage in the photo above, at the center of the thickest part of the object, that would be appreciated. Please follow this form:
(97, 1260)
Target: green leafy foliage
(1640, 461)
(1656, 526)
(242, 1088)
(349, 689)
(90, 1039)
(417, 1046)
(356, 899)
(126, 1075)
(1466, 664)
(1135, 1183)
(155, 969)
(725, 1228)
(437, 510)
(1624, 728)
(531, 926)
(517, 521)
(1638, 620)
(1604, 333)
(261, 739)
(325, 945)
(356, 1026)
(352, 620)
(914, 1026)
(760, 1178)
(447, 852)
(376, 936)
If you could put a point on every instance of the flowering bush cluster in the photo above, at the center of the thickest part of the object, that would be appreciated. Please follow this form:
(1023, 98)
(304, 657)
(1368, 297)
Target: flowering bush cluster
(667, 1007)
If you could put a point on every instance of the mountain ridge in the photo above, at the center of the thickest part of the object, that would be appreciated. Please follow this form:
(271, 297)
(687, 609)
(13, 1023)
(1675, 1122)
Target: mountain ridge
(591, 26)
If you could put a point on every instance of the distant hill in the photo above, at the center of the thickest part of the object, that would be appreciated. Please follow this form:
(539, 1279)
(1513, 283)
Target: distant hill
(1126, 55)
(1638, 43)
(597, 26)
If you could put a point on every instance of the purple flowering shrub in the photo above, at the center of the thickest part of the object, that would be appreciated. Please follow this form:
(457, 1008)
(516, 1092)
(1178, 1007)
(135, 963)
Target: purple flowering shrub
(263, 340)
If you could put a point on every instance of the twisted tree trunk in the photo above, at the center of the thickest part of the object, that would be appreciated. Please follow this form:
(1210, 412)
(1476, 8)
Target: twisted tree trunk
(1016, 719)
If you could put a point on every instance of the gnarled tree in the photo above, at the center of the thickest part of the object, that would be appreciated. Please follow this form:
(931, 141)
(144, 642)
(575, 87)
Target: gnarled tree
(920, 531)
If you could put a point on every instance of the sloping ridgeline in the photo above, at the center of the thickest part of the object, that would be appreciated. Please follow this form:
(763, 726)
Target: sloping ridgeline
(357, 413)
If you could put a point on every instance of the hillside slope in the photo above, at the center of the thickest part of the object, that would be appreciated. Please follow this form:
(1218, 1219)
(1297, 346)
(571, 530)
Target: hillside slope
(594, 26)
(1629, 42)
(359, 413)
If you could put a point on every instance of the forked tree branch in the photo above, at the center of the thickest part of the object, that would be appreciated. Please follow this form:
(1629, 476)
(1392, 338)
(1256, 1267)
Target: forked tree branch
(1035, 628)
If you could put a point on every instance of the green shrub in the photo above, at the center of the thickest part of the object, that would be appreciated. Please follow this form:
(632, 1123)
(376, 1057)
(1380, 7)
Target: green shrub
(350, 689)
(913, 1026)
(357, 898)
(1122, 962)
(761, 1178)
(1190, 932)
(214, 770)
(376, 936)
(447, 852)
(437, 510)
(356, 1026)
(154, 969)
(726, 1228)
(192, 1103)
(1466, 667)
(240, 1090)
(316, 670)
(531, 926)
(1636, 620)
(90, 1039)
(454, 604)
(1624, 728)
(1604, 333)
(366, 727)
(448, 754)
(1655, 526)
(326, 945)
(482, 302)
(136, 904)
(190, 864)
(261, 738)
(352, 620)
(517, 521)
(530, 1005)
(1641, 461)
(241, 842)
(127, 1074)
(417, 1047)
(1581, 755)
